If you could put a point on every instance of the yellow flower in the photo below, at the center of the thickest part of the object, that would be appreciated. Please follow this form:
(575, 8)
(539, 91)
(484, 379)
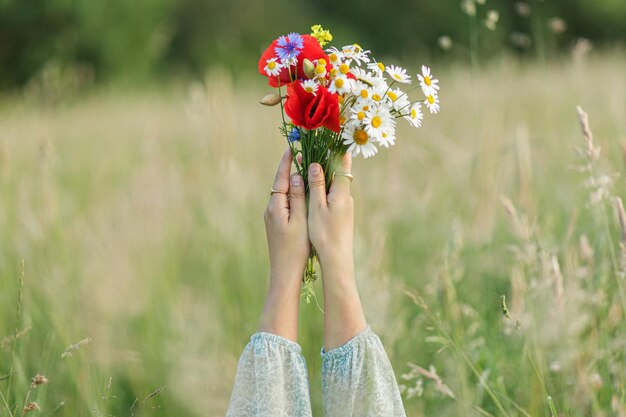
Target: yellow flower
(323, 36)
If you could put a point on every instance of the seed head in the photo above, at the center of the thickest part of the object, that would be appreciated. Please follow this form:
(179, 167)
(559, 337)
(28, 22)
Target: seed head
(32, 406)
(39, 380)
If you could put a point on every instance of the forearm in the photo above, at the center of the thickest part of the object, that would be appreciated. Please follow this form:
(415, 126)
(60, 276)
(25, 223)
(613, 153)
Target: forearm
(280, 313)
(343, 312)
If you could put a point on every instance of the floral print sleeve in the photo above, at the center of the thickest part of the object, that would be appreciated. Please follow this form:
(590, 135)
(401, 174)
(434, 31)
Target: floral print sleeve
(357, 380)
(271, 380)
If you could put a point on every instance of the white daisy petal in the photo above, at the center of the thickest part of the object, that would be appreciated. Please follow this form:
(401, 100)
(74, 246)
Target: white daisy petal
(398, 74)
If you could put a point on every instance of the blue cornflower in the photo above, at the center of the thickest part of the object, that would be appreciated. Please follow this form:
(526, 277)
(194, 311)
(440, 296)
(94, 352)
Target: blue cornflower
(289, 47)
(294, 135)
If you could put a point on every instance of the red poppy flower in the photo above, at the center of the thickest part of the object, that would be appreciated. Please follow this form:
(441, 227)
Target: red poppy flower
(311, 111)
(311, 50)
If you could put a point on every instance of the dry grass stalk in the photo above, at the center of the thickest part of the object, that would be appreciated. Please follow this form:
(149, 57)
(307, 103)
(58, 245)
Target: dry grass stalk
(31, 406)
(619, 207)
(558, 280)
(141, 403)
(592, 152)
(432, 375)
(5, 344)
(72, 348)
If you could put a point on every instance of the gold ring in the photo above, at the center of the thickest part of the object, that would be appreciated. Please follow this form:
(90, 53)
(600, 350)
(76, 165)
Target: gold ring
(344, 174)
(273, 191)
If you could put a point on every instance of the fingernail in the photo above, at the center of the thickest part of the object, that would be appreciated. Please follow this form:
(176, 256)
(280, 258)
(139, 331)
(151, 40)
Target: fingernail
(296, 180)
(315, 169)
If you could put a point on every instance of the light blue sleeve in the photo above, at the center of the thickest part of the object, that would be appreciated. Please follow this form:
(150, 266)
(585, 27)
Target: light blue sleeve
(358, 380)
(271, 380)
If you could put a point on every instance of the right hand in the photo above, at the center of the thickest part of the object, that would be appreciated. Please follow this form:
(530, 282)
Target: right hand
(331, 217)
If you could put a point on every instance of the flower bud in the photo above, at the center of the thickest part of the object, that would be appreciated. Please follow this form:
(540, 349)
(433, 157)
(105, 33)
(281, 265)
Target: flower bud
(308, 67)
(270, 99)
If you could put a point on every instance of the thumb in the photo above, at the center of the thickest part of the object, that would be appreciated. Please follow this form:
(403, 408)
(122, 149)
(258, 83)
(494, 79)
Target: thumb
(297, 204)
(317, 185)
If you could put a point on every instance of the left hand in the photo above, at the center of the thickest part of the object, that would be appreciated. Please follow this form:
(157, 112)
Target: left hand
(286, 226)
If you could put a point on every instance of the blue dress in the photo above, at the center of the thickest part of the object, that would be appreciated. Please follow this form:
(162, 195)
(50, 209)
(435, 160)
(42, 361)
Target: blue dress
(357, 380)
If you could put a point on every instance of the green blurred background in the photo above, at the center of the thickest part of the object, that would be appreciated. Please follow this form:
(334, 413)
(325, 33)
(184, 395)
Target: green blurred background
(152, 39)
(135, 162)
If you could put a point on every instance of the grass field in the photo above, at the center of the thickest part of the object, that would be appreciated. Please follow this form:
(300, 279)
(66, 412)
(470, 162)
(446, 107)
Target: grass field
(136, 218)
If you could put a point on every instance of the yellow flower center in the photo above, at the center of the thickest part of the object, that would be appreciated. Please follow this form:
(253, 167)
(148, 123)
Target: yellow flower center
(357, 47)
(320, 69)
(339, 82)
(366, 108)
(384, 135)
(413, 114)
(333, 57)
(360, 137)
(393, 96)
(397, 77)
(427, 81)
(309, 89)
(375, 97)
(340, 99)
(321, 61)
(271, 65)
(364, 93)
(342, 120)
(381, 66)
(344, 69)
(431, 99)
(333, 72)
(360, 115)
(376, 121)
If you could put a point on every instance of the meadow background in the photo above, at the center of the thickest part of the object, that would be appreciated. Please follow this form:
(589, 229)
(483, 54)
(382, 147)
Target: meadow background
(135, 163)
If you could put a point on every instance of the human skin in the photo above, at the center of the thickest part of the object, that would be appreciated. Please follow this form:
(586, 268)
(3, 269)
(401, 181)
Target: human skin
(289, 248)
(331, 232)
(329, 227)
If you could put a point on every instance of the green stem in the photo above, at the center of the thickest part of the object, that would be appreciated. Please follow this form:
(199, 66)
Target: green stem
(18, 319)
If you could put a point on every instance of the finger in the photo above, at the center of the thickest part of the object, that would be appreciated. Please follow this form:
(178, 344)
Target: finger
(317, 184)
(297, 204)
(341, 183)
(281, 181)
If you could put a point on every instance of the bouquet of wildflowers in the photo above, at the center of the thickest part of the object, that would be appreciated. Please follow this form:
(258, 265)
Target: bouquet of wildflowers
(338, 101)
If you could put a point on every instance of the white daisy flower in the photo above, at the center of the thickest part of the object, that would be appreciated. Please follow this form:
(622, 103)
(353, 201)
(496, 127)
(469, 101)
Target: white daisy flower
(432, 102)
(360, 89)
(388, 137)
(335, 55)
(340, 85)
(372, 79)
(377, 121)
(356, 53)
(320, 68)
(310, 86)
(358, 140)
(427, 82)
(376, 67)
(378, 93)
(272, 68)
(415, 115)
(399, 99)
(359, 113)
(398, 74)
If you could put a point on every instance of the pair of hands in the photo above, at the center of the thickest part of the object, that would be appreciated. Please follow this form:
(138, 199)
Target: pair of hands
(328, 225)
(291, 230)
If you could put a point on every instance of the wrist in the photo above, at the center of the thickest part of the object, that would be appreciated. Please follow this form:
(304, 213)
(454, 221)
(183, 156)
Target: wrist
(338, 266)
(286, 275)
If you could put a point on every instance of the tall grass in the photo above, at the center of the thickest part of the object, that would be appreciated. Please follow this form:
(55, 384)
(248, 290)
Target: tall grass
(138, 217)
